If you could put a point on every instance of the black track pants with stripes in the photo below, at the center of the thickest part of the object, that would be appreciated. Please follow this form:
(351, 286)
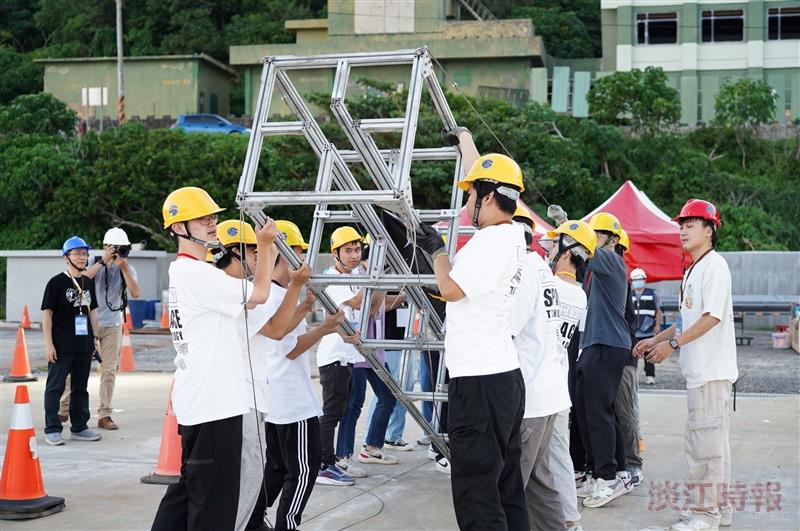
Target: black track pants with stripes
(293, 461)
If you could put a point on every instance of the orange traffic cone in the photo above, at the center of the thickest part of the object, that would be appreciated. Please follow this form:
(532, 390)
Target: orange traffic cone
(26, 318)
(168, 468)
(22, 494)
(126, 362)
(165, 316)
(128, 323)
(20, 368)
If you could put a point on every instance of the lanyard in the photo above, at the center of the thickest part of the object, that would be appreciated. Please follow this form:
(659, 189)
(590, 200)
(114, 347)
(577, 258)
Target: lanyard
(81, 291)
(187, 256)
(685, 281)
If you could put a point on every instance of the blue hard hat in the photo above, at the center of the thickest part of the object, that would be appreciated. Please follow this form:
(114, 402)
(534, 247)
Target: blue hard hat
(75, 242)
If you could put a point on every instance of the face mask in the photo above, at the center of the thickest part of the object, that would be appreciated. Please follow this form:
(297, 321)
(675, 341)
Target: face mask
(638, 283)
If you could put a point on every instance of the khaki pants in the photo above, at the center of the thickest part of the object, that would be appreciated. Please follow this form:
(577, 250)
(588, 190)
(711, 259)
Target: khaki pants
(544, 501)
(110, 342)
(706, 443)
(626, 407)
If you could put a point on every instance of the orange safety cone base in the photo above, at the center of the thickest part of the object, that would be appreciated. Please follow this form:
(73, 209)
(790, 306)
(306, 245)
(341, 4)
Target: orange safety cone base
(29, 509)
(158, 479)
(9, 378)
(168, 468)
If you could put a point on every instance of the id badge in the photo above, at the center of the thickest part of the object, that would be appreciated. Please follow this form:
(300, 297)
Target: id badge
(678, 325)
(81, 325)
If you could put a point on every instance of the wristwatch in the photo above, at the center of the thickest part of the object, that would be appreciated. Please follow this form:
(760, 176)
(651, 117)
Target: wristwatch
(674, 344)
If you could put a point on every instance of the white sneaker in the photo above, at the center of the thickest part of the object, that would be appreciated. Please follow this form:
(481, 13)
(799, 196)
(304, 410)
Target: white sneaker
(398, 446)
(442, 465)
(586, 487)
(604, 492)
(346, 465)
(636, 476)
(725, 515)
(432, 453)
(376, 457)
(627, 480)
(697, 522)
(424, 440)
(650, 380)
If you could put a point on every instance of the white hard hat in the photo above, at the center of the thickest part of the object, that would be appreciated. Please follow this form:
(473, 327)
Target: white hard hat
(638, 273)
(116, 236)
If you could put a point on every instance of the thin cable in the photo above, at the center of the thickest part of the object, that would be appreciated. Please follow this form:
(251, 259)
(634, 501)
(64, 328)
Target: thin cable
(261, 452)
(454, 84)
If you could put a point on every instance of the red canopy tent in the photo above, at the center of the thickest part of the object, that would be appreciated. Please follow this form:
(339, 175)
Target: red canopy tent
(466, 230)
(655, 238)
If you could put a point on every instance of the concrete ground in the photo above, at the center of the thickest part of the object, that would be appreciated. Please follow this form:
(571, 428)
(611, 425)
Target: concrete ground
(100, 480)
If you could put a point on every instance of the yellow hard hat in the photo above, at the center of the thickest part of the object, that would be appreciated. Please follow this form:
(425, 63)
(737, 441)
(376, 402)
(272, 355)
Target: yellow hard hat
(607, 222)
(579, 231)
(294, 238)
(209, 257)
(235, 231)
(344, 235)
(523, 213)
(367, 239)
(188, 203)
(625, 240)
(494, 168)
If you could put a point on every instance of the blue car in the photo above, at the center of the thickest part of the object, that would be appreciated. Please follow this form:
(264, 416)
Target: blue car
(208, 123)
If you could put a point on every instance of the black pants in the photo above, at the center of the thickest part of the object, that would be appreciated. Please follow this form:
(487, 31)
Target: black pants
(577, 450)
(77, 365)
(485, 413)
(207, 493)
(598, 374)
(336, 380)
(293, 460)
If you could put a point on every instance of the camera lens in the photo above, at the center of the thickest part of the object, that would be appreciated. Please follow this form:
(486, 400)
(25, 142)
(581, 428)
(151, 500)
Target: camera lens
(122, 250)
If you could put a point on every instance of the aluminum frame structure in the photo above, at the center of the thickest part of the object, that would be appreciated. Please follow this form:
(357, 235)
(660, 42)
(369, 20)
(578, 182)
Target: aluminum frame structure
(390, 172)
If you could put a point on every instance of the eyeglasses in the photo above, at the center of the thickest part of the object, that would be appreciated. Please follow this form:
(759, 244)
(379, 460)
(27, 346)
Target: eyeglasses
(207, 220)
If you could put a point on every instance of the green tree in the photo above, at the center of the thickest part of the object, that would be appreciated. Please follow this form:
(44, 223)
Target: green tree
(37, 113)
(563, 32)
(743, 105)
(642, 99)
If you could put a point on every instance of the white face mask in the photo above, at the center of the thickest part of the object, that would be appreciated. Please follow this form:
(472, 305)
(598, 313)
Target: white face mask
(638, 283)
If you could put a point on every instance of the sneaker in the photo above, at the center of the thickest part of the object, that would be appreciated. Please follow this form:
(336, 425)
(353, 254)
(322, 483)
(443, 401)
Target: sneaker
(106, 423)
(433, 453)
(398, 446)
(442, 465)
(332, 475)
(604, 492)
(424, 440)
(54, 439)
(697, 521)
(85, 435)
(346, 465)
(376, 457)
(725, 518)
(585, 490)
(580, 479)
(627, 480)
(650, 380)
(636, 476)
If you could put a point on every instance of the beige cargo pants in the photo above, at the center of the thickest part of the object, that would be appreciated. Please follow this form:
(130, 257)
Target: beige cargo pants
(706, 443)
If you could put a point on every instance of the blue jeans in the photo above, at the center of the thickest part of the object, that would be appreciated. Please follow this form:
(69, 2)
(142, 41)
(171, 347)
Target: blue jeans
(347, 426)
(397, 422)
(427, 382)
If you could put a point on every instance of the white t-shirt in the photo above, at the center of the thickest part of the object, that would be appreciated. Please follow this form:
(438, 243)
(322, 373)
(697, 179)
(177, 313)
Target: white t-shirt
(534, 323)
(259, 347)
(488, 269)
(332, 347)
(290, 395)
(204, 305)
(712, 356)
(573, 310)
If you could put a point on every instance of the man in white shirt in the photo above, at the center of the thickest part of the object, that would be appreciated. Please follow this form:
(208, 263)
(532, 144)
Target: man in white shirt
(704, 334)
(335, 357)
(486, 393)
(208, 396)
(291, 406)
(571, 246)
(534, 324)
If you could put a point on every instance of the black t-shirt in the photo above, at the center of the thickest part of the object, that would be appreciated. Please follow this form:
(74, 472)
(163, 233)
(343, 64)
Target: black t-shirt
(65, 300)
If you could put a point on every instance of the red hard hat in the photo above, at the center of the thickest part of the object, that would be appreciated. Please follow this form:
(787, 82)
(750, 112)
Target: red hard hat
(697, 208)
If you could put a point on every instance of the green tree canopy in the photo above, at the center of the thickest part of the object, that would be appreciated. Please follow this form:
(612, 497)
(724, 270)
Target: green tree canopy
(743, 105)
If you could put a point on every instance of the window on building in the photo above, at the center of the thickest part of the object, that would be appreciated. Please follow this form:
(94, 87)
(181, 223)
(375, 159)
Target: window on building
(722, 26)
(783, 23)
(656, 28)
(514, 96)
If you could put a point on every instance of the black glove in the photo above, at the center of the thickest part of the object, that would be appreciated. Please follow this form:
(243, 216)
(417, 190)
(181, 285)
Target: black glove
(451, 137)
(429, 239)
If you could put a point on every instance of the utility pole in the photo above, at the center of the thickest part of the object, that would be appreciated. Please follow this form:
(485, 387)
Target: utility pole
(120, 82)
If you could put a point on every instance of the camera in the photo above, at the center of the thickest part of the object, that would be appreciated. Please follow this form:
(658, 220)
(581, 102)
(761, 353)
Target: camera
(122, 250)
